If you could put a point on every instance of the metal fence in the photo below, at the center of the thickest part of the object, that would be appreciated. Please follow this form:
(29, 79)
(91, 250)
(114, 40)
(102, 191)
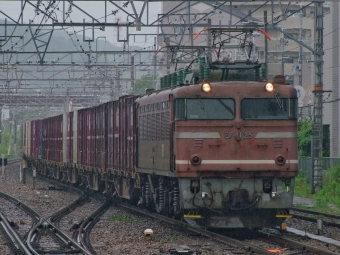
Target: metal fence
(305, 166)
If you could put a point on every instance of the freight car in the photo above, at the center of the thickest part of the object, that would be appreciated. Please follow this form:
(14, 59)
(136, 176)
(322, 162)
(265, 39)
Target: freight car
(219, 154)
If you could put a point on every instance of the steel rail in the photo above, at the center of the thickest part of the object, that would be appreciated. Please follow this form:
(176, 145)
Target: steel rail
(304, 248)
(18, 245)
(66, 210)
(328, 215)
(87, 225)
(220, 238)
(23, 206)
(314, 220)
(40, 224)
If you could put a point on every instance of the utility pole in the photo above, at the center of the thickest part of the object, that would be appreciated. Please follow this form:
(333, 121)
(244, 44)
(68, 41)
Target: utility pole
(335, 79)
(282, 40)
(209, 40)
(15, 132)
(1, 131)
(318, 93)
(154, 65)
(300, 58)
(132, 73)
(265, 45)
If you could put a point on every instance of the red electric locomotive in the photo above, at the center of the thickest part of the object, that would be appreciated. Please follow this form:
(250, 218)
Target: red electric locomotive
(219, 154)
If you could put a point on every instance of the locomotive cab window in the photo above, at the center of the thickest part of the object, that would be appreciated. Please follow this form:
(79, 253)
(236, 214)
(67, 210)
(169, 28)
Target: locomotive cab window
(269, 108)
(204, 109)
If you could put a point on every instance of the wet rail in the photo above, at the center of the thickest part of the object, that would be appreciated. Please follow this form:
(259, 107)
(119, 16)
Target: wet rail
(302, 247)
(237, 246)
(41, 225)
(328, 219)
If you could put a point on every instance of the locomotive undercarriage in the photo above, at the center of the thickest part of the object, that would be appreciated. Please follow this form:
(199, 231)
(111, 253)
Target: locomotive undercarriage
(190, 199)
(236, 203)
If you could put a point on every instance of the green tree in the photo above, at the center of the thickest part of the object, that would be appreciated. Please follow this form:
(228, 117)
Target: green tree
(305, 128)
(145, 82)
(304, 137)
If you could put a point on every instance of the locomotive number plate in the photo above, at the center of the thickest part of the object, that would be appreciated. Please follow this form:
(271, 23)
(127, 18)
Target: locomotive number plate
(239, 135)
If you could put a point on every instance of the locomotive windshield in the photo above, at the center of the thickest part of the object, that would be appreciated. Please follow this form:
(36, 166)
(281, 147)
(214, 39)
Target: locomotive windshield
(269, 108)
(204, 109)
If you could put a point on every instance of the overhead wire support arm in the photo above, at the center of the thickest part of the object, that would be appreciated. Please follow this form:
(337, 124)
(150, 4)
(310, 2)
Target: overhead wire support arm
(296, 40)
(251, 13)
(162, 16)
(9, 18)
(138, 21)
(292, 13)
(42, 11)
(128, 14)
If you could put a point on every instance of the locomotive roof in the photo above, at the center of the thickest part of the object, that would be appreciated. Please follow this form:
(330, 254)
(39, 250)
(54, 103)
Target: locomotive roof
(220, 89)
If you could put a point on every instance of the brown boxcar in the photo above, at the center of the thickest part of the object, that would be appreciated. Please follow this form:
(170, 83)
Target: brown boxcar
(123, 141)
(112, 135)
(53, 139)
(86, 138)
(36, 127)
(100, 138)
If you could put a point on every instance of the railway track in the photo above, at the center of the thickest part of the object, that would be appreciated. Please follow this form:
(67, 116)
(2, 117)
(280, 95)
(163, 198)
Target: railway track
(16, 243)
(14, 161)
(81, 228)
(300, 247)
(287, 245)
(42, 238)
(47, 234)
(328, 219)
(236, 246)
(84, 226)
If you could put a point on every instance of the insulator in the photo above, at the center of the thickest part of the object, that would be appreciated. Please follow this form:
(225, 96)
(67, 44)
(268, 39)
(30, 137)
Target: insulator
(180, 77)
(123, 23)
(166, 81)
(263, 70)
(162, 82)
(173, 79)
(185, 73)
(257, 74)
(206, 71)
(201, 69)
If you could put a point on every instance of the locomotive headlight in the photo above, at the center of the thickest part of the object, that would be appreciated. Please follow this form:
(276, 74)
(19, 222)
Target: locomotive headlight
(280, 159)
(206, 87)
(269, 87)
(195, 160)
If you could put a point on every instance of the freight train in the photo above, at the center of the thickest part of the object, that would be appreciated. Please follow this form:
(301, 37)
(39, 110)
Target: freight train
(214, 152)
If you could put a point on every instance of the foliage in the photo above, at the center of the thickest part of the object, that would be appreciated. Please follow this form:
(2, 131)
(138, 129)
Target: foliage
(304, 137)
(302, 187)
(145, 82)
(7, 140)
(331, 186)
(305, 129)
(330, 192)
